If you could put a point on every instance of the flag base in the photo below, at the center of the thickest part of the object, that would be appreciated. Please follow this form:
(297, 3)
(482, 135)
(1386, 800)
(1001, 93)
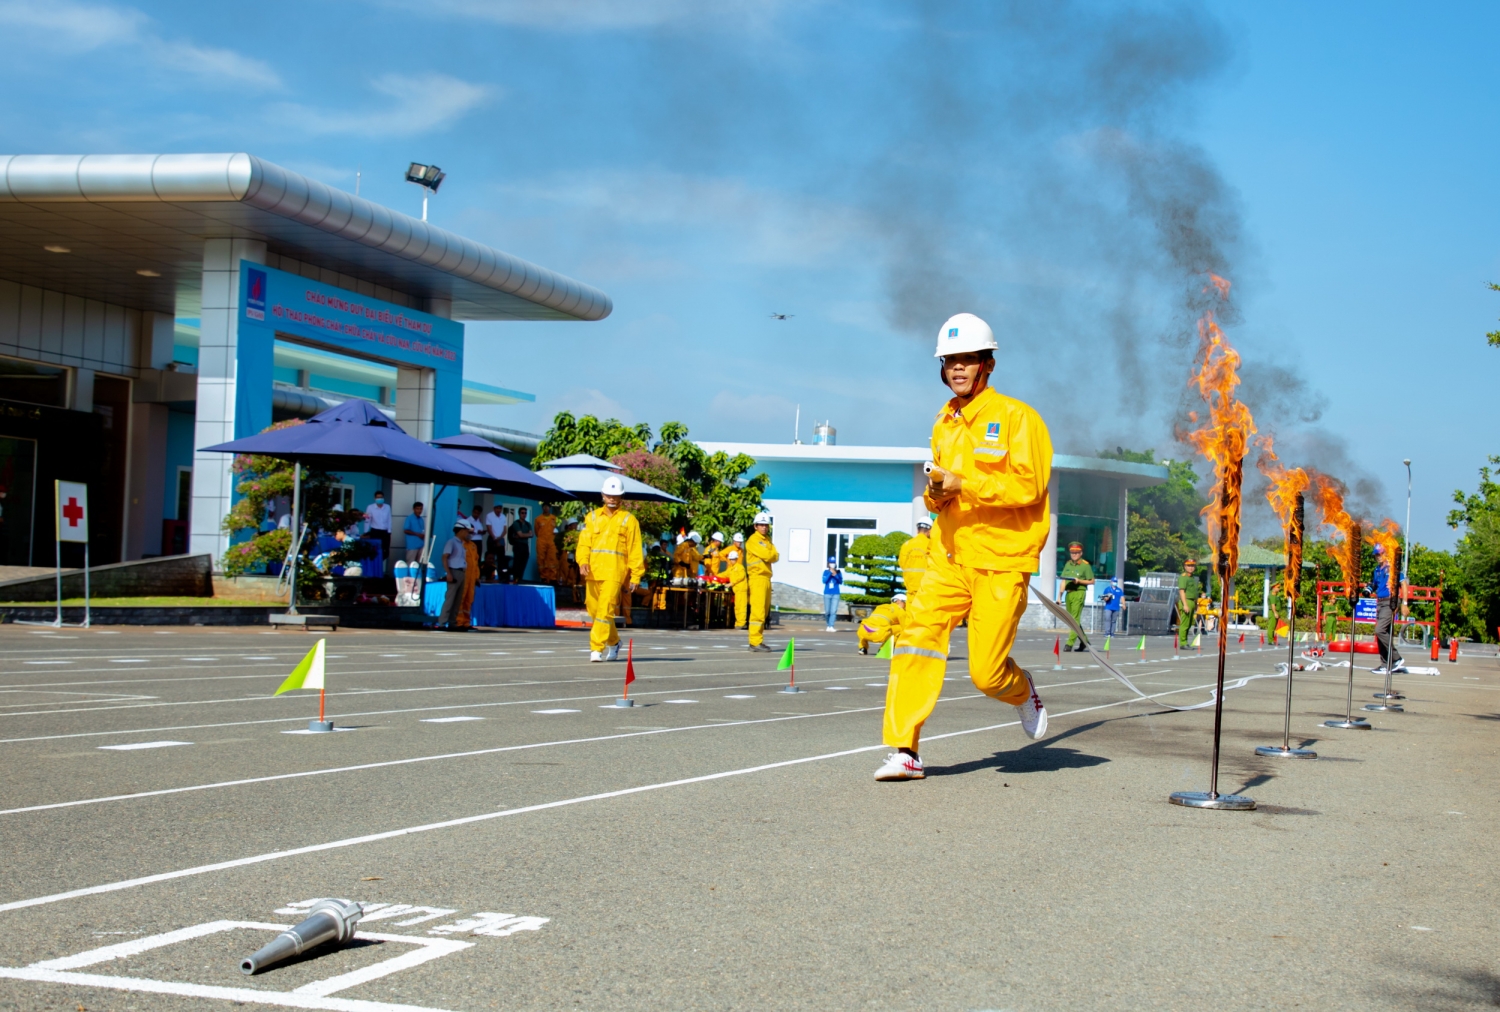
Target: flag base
(320, 725)
(624, 702)
(1385, 707)
(1350, 724)
(791, 688)
(1389, 696)
(1277, 752)
(1222, 802)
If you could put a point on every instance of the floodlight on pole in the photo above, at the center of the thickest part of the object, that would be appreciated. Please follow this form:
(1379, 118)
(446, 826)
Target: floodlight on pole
(428, 177)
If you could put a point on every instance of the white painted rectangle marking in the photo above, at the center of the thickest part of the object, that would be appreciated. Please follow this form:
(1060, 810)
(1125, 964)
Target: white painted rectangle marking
(48, 662)
(837, 688)
(556, 711)
(127, 660)
(143, 744)
(679, 701)
(739, 697)
(447, 720)
(258, 658)
(303, 730)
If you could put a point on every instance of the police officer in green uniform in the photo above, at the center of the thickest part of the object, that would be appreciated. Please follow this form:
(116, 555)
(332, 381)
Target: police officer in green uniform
(1079, 575)
(1188, 589)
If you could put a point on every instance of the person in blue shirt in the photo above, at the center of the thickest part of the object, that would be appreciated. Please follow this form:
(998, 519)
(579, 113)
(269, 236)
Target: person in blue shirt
(415, 529)
(1112, 595)
(1380, 583)
(833, 584)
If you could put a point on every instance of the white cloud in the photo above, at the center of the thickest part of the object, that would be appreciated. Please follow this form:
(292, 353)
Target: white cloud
(419, 103)
(596, 15)
(62, 26)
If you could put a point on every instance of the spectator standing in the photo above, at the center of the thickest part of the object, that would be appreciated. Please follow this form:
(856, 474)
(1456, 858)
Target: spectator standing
(415, 529)
(378, 517)
(833, 585)
(1112, 597)
(519, 535)
(1078, 576)
(495, 523)
(455, 566)
(1188, 589)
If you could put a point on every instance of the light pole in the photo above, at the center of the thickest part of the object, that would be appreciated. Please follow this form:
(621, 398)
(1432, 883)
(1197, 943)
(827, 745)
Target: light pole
(1406, 535)
(428, 177)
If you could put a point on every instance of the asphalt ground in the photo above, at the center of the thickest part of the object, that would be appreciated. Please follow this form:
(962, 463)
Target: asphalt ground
(722, 844)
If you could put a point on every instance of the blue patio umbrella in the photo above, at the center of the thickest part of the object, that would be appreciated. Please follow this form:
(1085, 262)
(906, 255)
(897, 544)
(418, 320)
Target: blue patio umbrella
(352, 436)
(503, 476)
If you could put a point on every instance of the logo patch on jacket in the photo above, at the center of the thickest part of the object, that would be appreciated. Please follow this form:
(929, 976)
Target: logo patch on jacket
(992, 432)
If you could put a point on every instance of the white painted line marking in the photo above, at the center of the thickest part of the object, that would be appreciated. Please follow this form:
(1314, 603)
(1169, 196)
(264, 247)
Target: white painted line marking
(739, 697)
(875, 685)
(442, 653)
(143, 744)
(257, 658)
(53, 662)
(303, 730)
(679, 701)
(1418, 927)
(386, 655)
(200, 658)
(720, 646)
(499, 653)
(447, 720)
(837, 688)
(556, 711)
(544, 651)
(128, 660)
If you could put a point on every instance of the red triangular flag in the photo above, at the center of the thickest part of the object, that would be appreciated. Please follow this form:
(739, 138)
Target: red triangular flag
(1057, 648)
(629, 662)
(1242, 639)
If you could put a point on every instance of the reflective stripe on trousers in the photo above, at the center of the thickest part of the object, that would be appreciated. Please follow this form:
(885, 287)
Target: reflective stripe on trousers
(760, 607)
(993, 603)
(601, 597)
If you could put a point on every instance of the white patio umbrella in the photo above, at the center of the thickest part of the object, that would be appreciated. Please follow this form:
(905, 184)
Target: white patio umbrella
(584, 476)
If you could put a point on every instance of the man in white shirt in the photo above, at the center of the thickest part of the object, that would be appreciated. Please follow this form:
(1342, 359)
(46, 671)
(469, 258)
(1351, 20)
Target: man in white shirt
(378, 517)
(495, 522)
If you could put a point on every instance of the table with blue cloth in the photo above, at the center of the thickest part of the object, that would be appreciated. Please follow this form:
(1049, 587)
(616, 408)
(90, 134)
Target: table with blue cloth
(497, 605)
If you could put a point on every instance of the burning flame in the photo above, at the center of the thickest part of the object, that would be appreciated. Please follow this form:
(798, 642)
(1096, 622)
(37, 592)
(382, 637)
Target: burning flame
(1224, 438)
(1388, 537)
(1285, 494)
(1330, 499)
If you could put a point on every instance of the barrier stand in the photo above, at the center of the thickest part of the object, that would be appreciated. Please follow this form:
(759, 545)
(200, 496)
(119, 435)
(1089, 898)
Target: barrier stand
(625, 699)
(1212, 798)
(1293, 581)
(1388, 699)
(1349, 722)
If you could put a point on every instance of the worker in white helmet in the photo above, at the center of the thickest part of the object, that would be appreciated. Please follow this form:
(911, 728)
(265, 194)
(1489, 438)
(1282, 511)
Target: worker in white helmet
(713, 556)
(911, 558)
(610, 562)
(987, 484)
(739, 579)
(760, 553)
(686, 559)
(881, 624)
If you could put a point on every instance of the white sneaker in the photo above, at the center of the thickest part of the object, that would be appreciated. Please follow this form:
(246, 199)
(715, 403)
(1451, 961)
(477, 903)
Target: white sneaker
(613, 653)
(595, 657)
(900, 766)
(1033, 713)
(830, 629)
(1400, 669)
(1378, 671)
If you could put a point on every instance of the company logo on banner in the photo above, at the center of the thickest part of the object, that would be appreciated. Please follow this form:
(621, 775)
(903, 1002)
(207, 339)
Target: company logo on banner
(72, 511)
(255, 294)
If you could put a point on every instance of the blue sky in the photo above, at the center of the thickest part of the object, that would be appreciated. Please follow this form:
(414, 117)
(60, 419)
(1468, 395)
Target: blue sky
(1067, 170)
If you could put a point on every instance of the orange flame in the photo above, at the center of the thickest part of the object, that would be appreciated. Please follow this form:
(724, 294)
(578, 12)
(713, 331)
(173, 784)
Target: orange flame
(1329, 496)
(1388, 537)
(1224, 438)
(1286, 484)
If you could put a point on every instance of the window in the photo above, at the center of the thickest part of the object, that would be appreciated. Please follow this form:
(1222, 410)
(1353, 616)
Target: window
(800, 549)
(343, 497)
(841, 524)
(838, 547)
(184, 492)
(33, 383)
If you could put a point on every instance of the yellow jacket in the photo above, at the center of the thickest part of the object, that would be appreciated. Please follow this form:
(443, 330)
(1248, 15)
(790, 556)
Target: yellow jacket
(912, 560)
(1001, 449)
(735, 567)
(759, 554)
(712, 560)
(685, 560)
(611, 546)
(887, 619)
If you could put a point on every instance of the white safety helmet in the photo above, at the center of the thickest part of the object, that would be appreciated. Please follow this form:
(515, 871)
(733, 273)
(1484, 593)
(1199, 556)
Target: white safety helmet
(733, 555)
(613, 486)
(695, 537)
(719, 537)
(739, 538)
(964, 332)
(924, 523)
(899, 597)
(762, 518)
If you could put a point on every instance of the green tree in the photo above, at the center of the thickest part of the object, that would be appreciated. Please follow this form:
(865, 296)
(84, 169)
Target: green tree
(871, 568)
(605, 440)
(1476, 574)
(1163, 523)
(1494, 335)
(719, 496)
(659, 472)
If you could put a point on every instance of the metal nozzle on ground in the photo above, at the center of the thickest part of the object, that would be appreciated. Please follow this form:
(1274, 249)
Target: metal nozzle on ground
(327, 921)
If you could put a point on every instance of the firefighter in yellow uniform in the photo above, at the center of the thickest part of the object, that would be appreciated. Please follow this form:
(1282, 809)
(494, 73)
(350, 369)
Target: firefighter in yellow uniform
(610, 561)
(739, 579)
(685, 560)
(759, 554)
(912, 559)
(883, 623)
(713, 555)
(987, 484)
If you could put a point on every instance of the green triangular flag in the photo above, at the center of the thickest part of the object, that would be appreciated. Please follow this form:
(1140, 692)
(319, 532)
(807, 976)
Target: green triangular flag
(308, 674)
(1106, 643)
(885, 649)
(1142, 644)
(790, 657)
(1197, 641)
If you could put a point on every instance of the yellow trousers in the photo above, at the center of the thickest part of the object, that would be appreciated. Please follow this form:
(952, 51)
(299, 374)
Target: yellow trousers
(876, 633)
(741, 603)
(993, 603)
(602, 598)
(760, 607)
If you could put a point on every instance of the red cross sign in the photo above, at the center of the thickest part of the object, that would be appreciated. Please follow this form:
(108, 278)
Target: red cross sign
(72, 511)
